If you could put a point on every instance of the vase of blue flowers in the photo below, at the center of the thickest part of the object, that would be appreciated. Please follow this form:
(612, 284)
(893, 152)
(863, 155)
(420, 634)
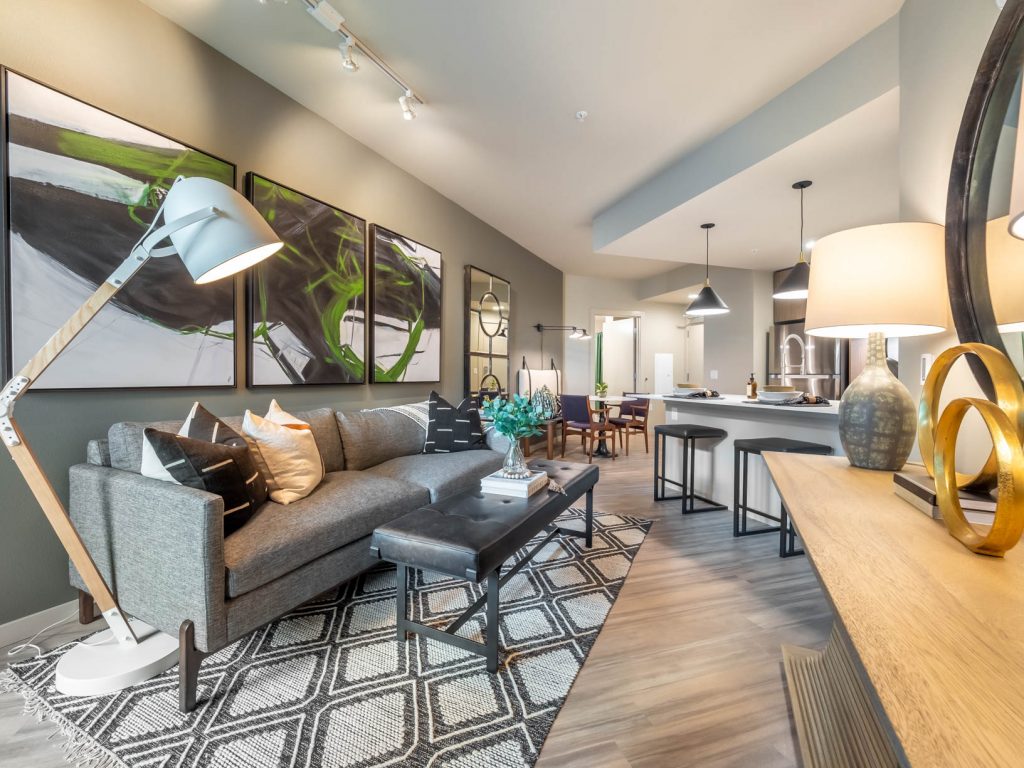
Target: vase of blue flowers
(514, 418)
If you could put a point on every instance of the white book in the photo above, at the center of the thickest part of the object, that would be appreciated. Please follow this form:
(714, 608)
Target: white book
(506, 486)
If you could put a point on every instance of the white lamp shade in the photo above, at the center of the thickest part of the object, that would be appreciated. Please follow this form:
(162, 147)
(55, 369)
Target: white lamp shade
(1015, 221)
(1004, 260)
(233, 240)
(888, 278)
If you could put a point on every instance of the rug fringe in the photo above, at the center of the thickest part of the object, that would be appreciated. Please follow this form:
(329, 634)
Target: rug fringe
(79, 748)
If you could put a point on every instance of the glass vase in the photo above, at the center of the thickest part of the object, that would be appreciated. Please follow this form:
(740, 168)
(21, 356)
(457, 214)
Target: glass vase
(515, 463)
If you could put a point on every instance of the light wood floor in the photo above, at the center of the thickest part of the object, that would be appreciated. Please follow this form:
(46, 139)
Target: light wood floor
(687, 670)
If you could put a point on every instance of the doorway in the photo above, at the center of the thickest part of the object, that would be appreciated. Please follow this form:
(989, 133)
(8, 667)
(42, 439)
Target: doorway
(617, 352)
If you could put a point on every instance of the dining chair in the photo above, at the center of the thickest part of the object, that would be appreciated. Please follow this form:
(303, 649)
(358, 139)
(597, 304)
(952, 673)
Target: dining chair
(579, 419)
(632, 418)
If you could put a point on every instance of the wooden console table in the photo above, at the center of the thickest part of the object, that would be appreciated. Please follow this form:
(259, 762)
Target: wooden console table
(926, 664)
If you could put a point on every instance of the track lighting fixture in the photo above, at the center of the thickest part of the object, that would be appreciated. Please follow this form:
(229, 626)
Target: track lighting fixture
(329, 18)
(326, 14)
(405, 101)
(346, 46)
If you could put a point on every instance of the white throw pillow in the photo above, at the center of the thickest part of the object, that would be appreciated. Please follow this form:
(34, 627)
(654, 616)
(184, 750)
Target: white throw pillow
(285, 452)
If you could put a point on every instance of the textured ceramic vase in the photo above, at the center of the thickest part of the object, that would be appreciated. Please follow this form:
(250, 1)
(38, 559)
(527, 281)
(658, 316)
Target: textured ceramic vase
(877, 416)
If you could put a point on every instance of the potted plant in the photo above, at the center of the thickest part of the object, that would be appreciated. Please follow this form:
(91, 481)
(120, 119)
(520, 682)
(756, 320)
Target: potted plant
(515, 418)
(601, 389)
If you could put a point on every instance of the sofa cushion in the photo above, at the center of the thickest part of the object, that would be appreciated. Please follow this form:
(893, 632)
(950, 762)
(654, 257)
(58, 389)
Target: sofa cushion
(372, 437)
(278, 538)
(442, 474)
(125, 438)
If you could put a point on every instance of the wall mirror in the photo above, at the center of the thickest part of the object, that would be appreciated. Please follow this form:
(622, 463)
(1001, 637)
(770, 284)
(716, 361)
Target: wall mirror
(488, 304)
(984, 260)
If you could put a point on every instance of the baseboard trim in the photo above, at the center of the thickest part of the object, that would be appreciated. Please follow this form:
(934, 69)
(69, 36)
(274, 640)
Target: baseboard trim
(22, 629)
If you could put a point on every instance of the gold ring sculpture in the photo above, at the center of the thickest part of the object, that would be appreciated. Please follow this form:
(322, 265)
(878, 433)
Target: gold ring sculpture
(1004, 468)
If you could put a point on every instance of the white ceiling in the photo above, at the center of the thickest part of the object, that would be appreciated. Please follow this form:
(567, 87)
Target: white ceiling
(504, 80)
(853, 164)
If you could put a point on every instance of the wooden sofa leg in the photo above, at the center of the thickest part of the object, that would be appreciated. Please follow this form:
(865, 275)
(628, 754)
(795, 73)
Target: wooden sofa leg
(86, 608)
(189, 660)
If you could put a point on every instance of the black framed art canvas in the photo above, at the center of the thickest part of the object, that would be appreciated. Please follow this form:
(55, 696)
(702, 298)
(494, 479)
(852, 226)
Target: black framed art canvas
(82, 185)
(307, 303)
(406, 292)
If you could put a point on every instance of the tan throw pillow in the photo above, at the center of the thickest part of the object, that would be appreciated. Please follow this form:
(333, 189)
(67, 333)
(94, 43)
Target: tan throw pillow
(285, 452)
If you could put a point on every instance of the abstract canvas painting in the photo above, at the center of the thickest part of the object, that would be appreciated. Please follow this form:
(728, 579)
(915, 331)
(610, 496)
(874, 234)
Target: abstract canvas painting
(83, 187)
(406, 309)
(307, 303)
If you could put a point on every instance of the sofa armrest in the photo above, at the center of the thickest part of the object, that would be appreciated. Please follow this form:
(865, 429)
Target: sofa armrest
(159, 546)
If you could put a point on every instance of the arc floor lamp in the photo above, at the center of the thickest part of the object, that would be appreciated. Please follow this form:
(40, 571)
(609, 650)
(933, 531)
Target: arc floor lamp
(216, 233)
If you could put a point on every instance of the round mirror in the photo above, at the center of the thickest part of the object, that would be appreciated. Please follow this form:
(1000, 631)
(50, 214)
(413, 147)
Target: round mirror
(492, 315)
(985, 208)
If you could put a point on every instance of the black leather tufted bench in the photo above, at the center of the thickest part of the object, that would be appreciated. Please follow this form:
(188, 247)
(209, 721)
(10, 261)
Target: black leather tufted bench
(470, 535)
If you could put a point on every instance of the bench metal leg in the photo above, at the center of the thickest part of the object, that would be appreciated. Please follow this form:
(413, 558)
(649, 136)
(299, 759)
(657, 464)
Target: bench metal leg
(590, 518)
(493, 589)
(401, 583)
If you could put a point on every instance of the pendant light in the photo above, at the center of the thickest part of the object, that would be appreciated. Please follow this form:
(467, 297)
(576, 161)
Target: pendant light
(795, 284)
(707, 302)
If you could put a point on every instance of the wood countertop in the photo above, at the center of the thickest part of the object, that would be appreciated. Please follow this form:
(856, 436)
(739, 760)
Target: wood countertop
(939, 630)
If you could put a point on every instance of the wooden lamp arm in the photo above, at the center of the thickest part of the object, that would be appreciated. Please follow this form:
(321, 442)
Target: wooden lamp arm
(30, 468)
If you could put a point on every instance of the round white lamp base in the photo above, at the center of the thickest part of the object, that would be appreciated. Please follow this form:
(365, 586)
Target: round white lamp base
(102, 665)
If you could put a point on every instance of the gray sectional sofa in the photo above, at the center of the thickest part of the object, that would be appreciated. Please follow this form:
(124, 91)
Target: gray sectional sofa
(161, 547)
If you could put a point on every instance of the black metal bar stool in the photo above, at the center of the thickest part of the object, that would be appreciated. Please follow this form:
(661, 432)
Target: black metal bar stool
(758, 445)
(689, 434)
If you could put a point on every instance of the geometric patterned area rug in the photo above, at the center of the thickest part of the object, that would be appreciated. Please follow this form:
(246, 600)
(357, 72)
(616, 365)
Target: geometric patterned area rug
(328, 684)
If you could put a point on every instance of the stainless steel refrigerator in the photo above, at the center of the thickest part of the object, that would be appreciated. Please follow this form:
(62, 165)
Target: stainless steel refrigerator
(812, 364)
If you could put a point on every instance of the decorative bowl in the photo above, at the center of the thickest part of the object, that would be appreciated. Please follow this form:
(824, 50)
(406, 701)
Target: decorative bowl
(778, 397)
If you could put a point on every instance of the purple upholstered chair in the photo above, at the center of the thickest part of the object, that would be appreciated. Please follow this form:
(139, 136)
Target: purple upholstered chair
(633, 418)
(578, 419)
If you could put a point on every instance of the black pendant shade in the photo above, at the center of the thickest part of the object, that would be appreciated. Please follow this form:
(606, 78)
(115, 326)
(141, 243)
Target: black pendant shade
(707, 302)
(795, 285)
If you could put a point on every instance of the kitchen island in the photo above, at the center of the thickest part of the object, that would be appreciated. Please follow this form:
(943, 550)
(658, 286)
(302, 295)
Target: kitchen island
(741, 420)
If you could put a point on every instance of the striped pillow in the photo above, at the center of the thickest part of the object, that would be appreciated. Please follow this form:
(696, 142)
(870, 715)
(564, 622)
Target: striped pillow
(225, 467)
(451, 429)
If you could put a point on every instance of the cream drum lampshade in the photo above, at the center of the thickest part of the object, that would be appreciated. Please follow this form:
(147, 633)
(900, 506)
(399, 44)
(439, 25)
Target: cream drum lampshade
(873, 282)
(887, 278)
(1004, 259)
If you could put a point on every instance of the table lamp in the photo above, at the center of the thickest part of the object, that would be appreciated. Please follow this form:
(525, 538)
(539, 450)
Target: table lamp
(1004, 261)
(216, 233)
(872, 282)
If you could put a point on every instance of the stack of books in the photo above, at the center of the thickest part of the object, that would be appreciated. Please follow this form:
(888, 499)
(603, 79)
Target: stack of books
(917, 488)
(505, 486)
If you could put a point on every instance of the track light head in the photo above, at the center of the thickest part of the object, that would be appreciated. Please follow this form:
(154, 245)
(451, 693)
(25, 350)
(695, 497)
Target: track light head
(405, 101)
(348, 62)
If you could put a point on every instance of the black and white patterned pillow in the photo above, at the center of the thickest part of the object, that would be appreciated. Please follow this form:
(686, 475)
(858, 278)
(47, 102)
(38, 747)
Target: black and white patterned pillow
(200, 424)
(238, 481)
(451, 429)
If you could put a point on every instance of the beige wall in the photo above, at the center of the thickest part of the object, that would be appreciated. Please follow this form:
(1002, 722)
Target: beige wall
(941, 42)
(123, 57)
(660, 328)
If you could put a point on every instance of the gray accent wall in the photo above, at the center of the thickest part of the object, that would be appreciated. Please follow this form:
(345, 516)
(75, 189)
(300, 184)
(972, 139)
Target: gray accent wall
(121, 56)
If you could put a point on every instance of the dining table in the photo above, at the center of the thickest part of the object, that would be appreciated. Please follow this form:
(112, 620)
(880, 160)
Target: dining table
(603, 403)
